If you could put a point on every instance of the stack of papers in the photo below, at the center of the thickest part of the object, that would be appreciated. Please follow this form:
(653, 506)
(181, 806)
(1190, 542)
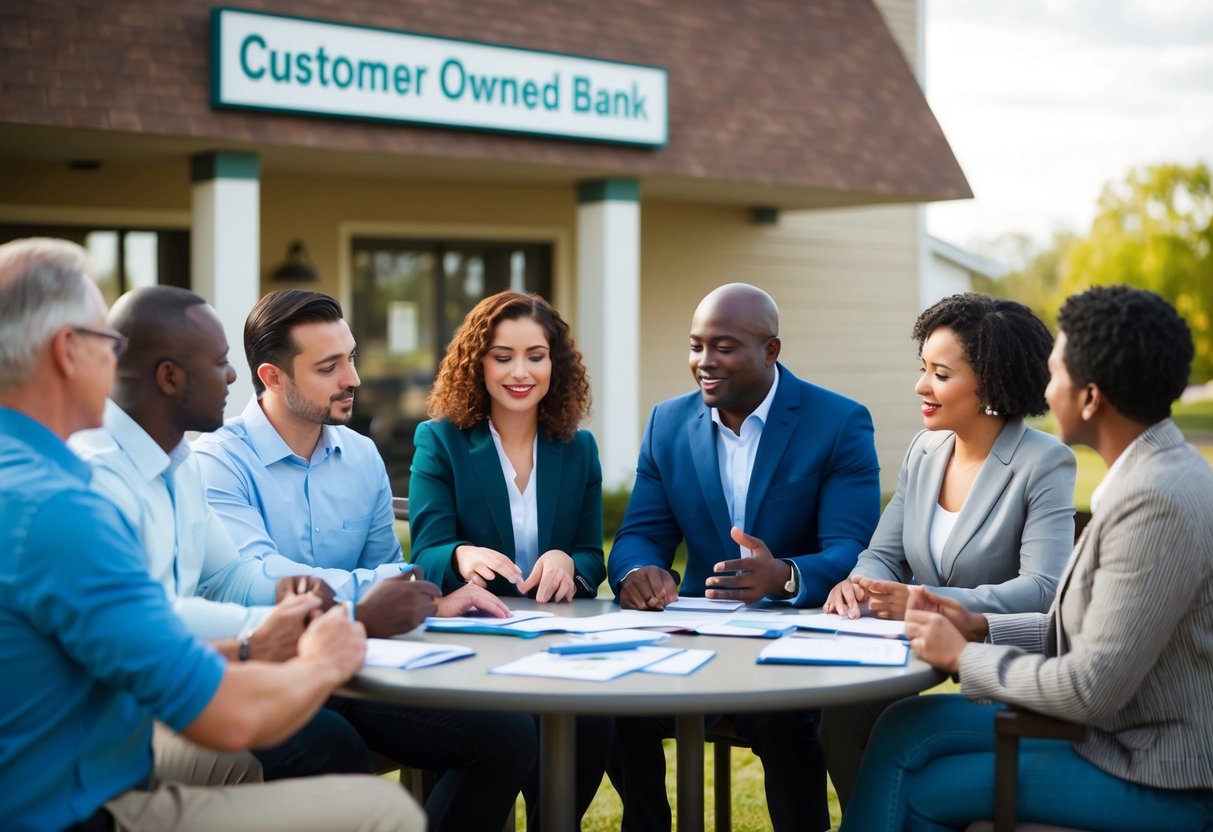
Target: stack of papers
(592, 667)
(607, 641)
(840, 650)
(410, 655)
(832, 623)
(688, 604)
(753, 625)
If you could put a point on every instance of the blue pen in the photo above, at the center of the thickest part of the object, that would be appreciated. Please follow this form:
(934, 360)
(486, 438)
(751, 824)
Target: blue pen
(574, 647)
(407, 569)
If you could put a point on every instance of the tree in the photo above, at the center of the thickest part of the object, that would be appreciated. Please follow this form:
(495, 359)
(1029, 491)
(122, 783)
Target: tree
(1154, 231)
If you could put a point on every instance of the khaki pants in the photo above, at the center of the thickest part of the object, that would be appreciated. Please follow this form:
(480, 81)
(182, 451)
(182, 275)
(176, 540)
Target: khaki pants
(195, 788)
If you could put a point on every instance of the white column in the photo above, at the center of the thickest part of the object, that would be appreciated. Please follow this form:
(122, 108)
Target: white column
(608, 318)
(225, 250)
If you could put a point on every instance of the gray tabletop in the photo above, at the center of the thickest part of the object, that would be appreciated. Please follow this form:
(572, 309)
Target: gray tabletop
(732, 681)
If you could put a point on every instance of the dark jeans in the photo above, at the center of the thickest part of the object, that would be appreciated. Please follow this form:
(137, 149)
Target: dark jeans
(791, 760)
(483, 759)
(326, 745)
(593, 746)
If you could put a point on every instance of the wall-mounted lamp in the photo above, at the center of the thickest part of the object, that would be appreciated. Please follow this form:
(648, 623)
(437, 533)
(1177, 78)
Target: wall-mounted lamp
(297, 268)
(764, 215)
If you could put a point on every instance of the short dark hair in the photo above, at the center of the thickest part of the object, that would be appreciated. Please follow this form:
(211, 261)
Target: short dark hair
(267, 332)
(1131, 344)
(1006, 345)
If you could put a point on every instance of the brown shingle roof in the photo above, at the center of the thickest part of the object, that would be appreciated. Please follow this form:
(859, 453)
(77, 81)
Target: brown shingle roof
(785, 94)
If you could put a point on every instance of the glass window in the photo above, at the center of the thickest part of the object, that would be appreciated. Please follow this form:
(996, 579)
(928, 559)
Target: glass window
(120, 259)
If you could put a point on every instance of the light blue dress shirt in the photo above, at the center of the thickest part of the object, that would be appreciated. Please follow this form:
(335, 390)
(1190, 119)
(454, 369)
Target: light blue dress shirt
(91, 650)
(328, 516)
(189, 551)
(736, 453)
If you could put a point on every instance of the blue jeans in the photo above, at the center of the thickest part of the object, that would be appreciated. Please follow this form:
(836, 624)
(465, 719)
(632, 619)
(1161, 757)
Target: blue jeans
(930, 766)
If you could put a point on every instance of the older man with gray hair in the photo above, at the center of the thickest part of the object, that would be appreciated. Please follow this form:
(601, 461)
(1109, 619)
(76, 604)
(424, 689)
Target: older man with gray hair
(92, 648)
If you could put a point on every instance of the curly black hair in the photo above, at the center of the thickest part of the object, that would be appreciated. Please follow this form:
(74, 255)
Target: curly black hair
(1006, 345)
(1130, 343)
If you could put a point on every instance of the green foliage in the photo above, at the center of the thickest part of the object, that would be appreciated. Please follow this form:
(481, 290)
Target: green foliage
(1154, 230)
(614, 504)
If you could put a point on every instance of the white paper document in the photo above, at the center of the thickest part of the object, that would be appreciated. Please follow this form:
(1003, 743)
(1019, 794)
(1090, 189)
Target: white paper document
(686, 604)
(590, 667)
(682, 664)
(833, 623)
(411, 655)
(842, 650)
(751, 625)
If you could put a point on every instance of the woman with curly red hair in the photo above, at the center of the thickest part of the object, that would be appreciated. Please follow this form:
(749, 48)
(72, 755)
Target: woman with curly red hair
(505, 491)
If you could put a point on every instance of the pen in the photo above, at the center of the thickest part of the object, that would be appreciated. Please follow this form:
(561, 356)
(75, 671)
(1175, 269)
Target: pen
(408, 569)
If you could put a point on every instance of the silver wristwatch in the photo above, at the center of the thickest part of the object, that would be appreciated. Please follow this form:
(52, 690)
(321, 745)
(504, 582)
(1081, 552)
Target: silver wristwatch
(793, 584)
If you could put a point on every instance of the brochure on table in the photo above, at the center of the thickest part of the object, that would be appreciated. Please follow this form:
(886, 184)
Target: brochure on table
(836, 650)
(411, 655)
(590, 667)
(866, 626)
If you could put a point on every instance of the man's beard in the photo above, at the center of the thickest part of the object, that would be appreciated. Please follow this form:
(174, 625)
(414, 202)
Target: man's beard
(317, 414)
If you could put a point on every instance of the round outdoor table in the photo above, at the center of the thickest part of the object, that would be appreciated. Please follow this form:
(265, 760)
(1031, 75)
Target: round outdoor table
(732, 682)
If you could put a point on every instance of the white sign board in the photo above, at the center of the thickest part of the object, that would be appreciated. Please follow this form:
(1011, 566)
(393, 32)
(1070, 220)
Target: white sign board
(287, 64)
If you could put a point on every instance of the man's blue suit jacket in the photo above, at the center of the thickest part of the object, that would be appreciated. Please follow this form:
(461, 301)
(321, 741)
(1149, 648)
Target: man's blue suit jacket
(457, 495)
(814, 494)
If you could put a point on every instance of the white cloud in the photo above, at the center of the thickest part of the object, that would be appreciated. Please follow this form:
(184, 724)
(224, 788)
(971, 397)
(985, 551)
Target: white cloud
(1043, 101)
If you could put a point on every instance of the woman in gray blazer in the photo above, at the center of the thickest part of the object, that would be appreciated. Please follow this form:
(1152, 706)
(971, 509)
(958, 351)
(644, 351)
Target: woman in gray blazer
(1127, 647)
(984, 506)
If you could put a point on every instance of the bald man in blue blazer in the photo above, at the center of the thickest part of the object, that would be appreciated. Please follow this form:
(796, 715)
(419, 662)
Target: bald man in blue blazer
(774, 485)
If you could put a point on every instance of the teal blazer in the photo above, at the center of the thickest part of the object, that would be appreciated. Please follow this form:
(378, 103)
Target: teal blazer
(457, 496)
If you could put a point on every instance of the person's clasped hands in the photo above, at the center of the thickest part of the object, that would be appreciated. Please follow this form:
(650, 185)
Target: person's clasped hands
(938, 628)
(854, 596)
(551, 579)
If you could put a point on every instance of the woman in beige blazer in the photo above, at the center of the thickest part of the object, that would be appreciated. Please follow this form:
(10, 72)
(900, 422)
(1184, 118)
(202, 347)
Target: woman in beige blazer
(984, 506)
(1127, 647)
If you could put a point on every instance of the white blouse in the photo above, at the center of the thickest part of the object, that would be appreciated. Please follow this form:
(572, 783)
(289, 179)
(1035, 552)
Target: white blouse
(942, 523)
(524, 507)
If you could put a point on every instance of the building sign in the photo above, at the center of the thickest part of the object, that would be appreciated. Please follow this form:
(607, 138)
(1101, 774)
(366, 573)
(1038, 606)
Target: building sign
(287, 64)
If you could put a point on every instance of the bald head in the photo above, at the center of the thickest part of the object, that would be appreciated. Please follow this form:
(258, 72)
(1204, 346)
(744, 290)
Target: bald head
(734, 350)
(743, 306)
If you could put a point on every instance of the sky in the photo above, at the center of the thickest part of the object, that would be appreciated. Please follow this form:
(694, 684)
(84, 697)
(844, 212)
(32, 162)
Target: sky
(1043, 101)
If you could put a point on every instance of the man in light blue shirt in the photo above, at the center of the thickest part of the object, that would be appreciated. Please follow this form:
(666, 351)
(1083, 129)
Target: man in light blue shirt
(300, 491)
(91, 649)
(173, 377)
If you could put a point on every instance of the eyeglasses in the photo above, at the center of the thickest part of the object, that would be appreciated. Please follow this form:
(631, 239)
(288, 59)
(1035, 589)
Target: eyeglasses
(120, 340)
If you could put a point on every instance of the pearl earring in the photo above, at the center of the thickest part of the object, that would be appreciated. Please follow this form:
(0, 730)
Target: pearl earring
(991, 411)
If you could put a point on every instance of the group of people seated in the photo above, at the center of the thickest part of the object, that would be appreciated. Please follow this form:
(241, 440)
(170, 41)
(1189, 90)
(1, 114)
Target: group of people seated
(175, 618)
